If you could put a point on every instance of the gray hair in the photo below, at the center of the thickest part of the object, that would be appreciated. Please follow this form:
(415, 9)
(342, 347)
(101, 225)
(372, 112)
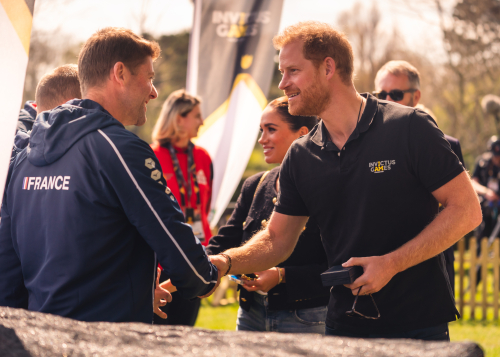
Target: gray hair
(398, 68)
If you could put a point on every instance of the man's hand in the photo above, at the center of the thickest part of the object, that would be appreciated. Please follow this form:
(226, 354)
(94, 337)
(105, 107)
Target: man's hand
(167, 285)
(220, 262)
(378, 271)
(219, 275)
(161, 298)
(266, 280)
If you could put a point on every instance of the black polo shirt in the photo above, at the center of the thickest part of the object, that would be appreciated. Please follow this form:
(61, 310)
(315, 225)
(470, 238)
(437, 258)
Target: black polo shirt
(369, 198)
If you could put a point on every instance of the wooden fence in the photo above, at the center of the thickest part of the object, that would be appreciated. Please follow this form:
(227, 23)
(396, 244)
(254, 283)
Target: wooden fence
(488, 263)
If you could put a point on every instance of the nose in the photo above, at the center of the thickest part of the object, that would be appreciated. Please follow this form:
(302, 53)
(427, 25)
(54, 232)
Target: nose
(154, 93)
(262, 139)
(284, 82)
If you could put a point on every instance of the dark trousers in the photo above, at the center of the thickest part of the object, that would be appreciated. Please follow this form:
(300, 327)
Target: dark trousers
(435, 333)
(179, 312)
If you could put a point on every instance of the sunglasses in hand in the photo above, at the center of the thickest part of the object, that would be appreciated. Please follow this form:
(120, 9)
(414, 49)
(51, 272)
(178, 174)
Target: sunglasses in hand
(395, 94)
(354, 313)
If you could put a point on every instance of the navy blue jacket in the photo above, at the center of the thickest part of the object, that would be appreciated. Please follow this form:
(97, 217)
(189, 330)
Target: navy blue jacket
(27, 117)
(85, 210)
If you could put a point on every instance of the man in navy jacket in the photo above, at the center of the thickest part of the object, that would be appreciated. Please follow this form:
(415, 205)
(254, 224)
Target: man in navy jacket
(55, 88)
(87, 215)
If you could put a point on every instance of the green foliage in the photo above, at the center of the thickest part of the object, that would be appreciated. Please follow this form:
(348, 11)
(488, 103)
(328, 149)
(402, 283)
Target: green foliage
(472, 39)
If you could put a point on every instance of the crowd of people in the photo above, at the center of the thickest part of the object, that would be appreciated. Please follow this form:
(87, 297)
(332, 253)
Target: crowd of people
(98, 225)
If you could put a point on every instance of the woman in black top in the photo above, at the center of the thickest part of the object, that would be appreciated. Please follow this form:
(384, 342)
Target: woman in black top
(289, 297)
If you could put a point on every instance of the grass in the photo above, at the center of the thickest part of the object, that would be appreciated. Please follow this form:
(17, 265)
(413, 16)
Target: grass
(486, 334)
(217, 318)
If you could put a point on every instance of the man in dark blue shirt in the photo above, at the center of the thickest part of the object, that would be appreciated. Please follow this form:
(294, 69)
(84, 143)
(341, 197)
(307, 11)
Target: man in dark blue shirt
(55, 88)
(87, 216)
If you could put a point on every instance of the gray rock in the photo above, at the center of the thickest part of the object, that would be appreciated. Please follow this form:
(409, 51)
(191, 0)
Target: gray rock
(24, 333)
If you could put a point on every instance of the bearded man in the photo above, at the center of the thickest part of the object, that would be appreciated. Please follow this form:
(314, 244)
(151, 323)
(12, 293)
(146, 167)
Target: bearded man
(372, 174)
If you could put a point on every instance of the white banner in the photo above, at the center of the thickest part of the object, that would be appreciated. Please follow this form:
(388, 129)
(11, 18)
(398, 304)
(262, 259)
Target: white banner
(15, 30)
(230, 66)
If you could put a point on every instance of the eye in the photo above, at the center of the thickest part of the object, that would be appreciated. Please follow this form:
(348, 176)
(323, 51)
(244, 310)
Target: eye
(272, 130)
(260, 129)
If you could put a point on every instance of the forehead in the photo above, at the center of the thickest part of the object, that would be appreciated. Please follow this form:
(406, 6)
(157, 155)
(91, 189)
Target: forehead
(388, 81)
(292, 54)
(270, 116)
(147, 66)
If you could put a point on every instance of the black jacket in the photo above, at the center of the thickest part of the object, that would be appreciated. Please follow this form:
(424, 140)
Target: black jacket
(303, 288)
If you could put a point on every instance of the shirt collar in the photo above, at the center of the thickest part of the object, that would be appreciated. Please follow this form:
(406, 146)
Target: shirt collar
(320, 137)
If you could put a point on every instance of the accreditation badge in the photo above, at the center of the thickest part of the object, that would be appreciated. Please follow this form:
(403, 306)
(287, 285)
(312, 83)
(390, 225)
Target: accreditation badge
(193, 218)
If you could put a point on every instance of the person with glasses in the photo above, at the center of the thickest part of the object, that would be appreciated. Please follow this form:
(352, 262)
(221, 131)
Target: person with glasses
(399, 81)
(371, 174)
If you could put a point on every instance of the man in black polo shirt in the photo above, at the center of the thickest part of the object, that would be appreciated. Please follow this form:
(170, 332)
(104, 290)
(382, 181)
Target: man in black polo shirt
(372, 174)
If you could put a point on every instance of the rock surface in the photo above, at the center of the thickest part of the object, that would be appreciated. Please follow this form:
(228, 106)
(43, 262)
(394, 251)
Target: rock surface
(24, 333)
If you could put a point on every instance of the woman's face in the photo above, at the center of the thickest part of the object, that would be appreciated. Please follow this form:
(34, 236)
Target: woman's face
(276, 136)
(190, 123)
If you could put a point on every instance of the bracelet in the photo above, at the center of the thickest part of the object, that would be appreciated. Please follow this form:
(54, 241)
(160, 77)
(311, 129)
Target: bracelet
(280, 277)
(228, 262)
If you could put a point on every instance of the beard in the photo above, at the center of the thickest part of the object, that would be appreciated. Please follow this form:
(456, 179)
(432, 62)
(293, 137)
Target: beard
(313, 101)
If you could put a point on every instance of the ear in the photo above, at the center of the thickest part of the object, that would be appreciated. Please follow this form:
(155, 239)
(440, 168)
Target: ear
(416, 97)
(118, 73)
(330, 68)
(303, 131)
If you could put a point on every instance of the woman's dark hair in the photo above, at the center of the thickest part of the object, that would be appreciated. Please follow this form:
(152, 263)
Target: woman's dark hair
(295, 122)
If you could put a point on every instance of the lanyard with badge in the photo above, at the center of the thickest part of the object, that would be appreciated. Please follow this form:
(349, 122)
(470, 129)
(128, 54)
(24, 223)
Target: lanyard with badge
(193, 214)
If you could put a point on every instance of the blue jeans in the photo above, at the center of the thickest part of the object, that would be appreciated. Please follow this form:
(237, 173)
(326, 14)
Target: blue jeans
(259, 318)
(434, 333)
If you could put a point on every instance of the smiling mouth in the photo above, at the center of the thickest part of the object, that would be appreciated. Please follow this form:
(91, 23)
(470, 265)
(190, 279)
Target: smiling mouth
(290, 96)
(267, 150)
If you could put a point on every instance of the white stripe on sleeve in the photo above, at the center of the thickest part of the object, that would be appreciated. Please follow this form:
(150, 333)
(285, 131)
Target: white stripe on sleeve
(152, 209)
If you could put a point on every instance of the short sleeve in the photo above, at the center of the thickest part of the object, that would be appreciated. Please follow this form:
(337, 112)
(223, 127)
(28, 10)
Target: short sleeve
(289, 200)
(432, 159)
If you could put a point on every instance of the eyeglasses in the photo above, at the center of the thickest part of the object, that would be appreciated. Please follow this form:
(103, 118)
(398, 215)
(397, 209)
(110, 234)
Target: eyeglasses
(357, 314)
(395, 94)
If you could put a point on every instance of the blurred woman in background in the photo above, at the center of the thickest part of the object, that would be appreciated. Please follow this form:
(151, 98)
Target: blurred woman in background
(187, 169)
(289, 297)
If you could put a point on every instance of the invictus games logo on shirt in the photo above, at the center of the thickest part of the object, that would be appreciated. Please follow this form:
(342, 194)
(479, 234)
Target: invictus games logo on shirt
(46, 183)
(381, 166)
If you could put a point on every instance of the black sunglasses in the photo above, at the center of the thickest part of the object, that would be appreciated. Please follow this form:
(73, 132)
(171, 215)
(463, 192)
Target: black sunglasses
(395, 94)
(354, 313)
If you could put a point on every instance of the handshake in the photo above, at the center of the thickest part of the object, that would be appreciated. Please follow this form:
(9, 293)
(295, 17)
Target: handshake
(163, 290)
